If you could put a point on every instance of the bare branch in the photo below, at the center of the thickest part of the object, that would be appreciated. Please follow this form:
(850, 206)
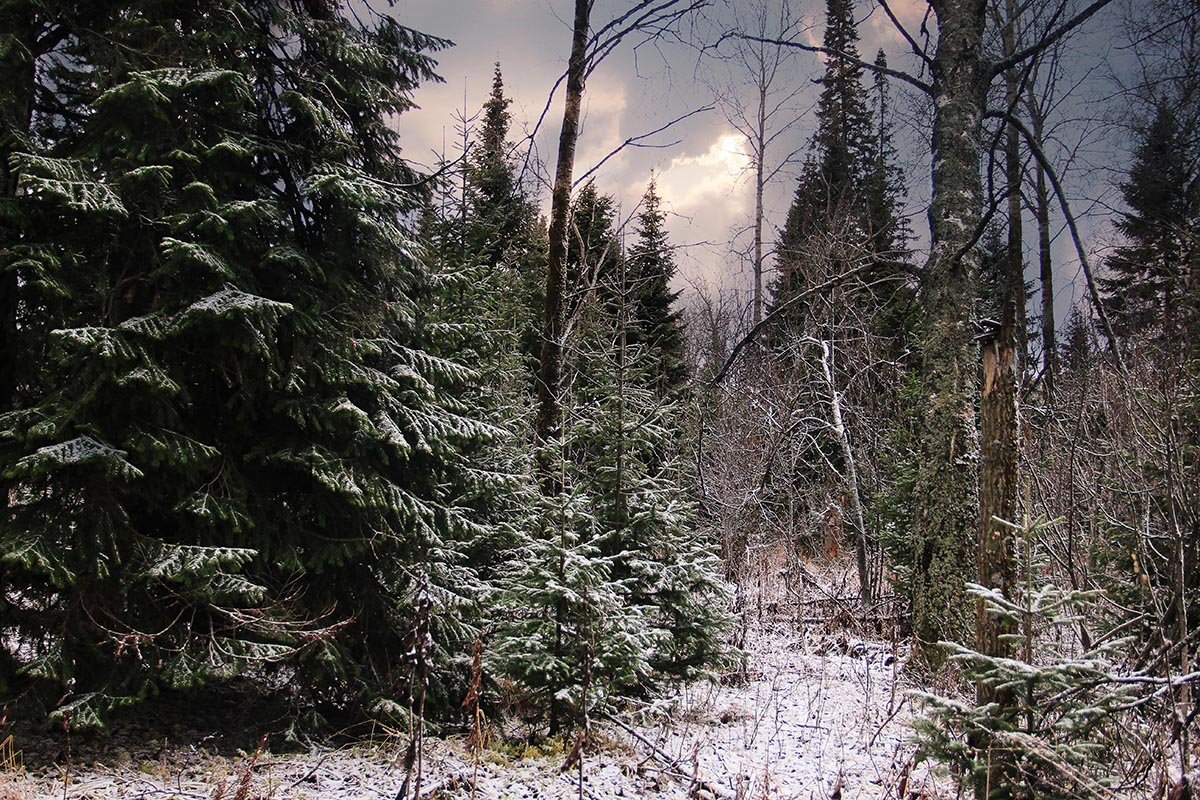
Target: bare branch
(1065, 206)
(753, 333)
(858, 62)
(918, 51)
(1049, 39)
(638, 141)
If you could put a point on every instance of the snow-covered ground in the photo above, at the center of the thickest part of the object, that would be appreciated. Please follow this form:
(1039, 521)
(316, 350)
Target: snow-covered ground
(824, 719)
(808, 724)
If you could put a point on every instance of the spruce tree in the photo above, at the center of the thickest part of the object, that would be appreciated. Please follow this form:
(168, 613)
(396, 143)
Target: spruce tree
(493, 191)
(503, 232)
(1065, 697)
(566, 634)
(889, 230)
(632, 468)
(614, 591)
(655, 321)
(1077, 351)
(1148, 281)
(843, 142)
(238, 453)
(593, 249)
(1153, 292)
(845, 204)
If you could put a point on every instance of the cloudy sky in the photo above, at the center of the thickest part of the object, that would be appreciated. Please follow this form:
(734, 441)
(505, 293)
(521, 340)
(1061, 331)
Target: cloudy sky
(701, 164)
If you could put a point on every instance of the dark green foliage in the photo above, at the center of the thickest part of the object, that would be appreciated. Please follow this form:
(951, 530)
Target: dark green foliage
(613, 590)
(237, 453)
(1153, 294)
(1147, 288)
(594, 251)
(890, 510)
(889, 229)
(1055, 736)
(845, 288)
(265, 391)
(1078, 342)
(833, 181)
(623, 435)
(604, 589)
(844, 144)
(567, 635)
(847, 210)
(654, 319)
(614, 585)
(504, 233)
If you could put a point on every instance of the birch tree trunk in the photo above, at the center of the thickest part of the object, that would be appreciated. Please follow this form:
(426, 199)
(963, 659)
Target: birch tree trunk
(861, 541)
(759, 181)
(947, 513)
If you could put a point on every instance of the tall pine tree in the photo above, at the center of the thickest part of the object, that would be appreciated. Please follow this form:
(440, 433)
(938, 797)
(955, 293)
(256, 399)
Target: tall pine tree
(1147, 288)
(237, 453)
(655, 320)
(504, 232)
(847, 204)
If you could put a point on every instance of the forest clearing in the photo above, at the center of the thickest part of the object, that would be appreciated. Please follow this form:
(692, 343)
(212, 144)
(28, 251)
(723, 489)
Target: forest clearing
(740, 399)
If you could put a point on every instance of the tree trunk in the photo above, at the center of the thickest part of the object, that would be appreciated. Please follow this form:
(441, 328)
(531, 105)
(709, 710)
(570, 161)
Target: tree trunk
(549, 388)
(1000, 442)
(548, 423)
(1014, 302)
(759, 180)
(861, 542)
(944, 531)
(997, 501)
(1045, 265)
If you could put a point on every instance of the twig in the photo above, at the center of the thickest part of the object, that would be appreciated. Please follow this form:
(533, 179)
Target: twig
(671, 762)
(657, 751)
(636, 141)
(308, 774)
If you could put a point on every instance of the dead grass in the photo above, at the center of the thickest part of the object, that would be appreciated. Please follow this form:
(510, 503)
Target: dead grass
(14, 786)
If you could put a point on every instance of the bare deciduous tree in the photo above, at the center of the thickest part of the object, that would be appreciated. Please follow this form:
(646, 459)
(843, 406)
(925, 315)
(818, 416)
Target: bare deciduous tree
(759, 95)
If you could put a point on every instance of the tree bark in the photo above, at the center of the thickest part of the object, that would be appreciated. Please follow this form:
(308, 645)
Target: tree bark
(1045, 264)
(1014, 302)
(997, 501)
(944, 532)
(759, 180)
(1000, 442)
(548, 422)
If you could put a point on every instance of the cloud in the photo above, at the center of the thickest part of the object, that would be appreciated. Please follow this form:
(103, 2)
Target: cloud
(604, 105)
(909, 12)
(706, 195)
(720, 174)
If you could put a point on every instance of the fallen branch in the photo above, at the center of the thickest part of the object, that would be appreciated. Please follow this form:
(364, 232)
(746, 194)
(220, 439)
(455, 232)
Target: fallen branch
(659, 753)
(308, 774)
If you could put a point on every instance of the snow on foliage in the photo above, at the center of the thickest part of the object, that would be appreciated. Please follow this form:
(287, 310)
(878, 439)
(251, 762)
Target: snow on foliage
(75, 452)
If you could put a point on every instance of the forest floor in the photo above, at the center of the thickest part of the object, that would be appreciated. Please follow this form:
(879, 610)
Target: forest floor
(817, 716)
